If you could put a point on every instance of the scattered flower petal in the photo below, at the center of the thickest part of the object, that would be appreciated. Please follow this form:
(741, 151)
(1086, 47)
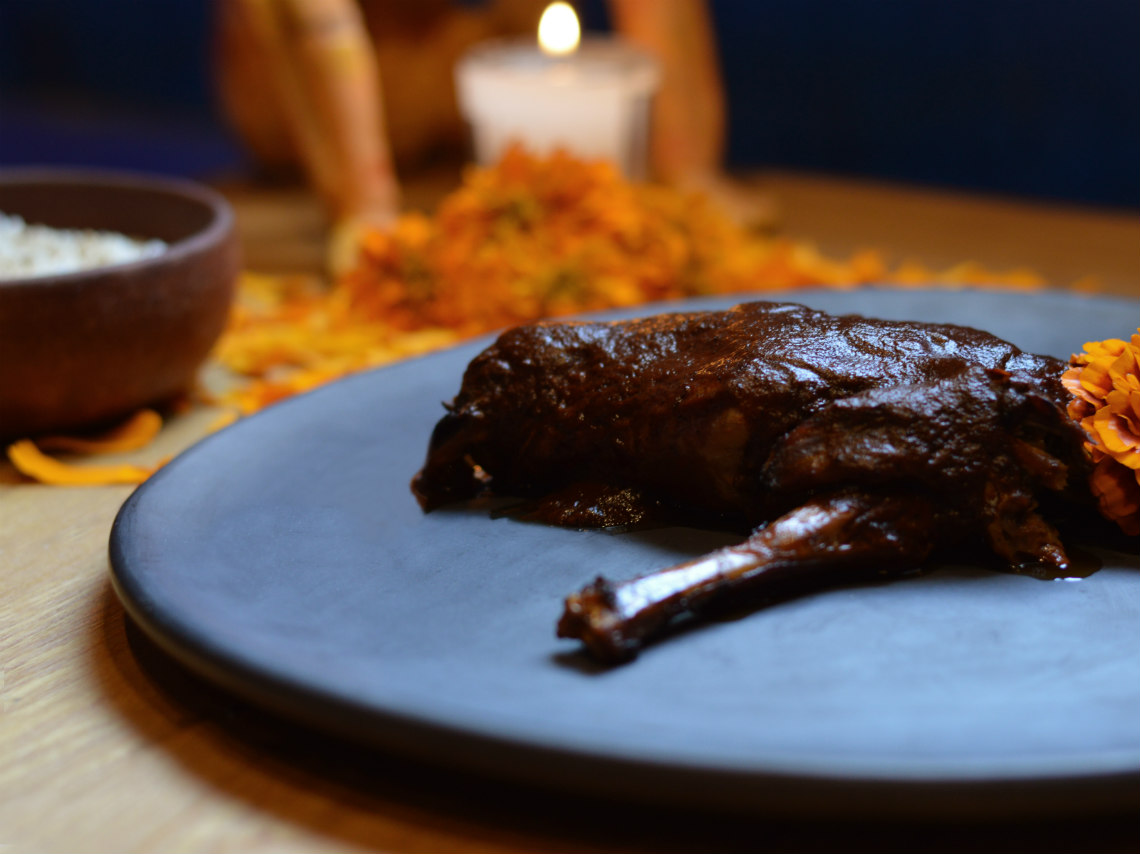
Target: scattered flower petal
(136, 432)
(30, 461)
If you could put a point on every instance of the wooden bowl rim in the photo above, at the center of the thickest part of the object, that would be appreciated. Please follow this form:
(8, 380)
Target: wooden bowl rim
(218, 228)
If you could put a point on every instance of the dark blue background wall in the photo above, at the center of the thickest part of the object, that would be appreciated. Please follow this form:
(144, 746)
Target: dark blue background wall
(1039, 98)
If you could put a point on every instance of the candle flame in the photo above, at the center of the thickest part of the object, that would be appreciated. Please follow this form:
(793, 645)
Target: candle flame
(558, 30)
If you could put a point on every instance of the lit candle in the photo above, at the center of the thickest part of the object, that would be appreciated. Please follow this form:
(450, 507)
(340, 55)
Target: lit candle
(590, 97)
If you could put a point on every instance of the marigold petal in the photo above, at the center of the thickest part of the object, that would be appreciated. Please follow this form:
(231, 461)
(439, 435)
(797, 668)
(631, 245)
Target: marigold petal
(1110, 347)
(1095, 379)
(223, 420)
(1105, 383)
(1118, 494)
(1125, 405)
(136, 432)
(1131, 409)
(1113, 431)
(29, 460)
(1071, 380)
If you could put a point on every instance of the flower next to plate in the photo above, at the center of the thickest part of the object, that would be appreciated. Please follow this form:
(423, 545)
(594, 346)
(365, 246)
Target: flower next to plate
(1104, 380)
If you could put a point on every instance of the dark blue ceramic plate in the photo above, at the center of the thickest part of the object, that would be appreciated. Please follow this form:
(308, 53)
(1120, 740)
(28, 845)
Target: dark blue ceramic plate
(285, 559)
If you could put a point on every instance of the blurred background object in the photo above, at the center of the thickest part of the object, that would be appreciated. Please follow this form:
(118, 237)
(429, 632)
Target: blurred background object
(89, 345)
(1033, 99)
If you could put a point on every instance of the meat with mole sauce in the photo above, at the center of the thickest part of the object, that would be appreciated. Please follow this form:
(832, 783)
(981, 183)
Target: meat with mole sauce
(845, 445)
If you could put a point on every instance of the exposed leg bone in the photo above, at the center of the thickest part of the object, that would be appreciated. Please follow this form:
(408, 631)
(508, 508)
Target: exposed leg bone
(853, 532)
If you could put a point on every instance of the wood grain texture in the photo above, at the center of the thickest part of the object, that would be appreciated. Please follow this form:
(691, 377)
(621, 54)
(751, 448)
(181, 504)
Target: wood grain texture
(106, 744)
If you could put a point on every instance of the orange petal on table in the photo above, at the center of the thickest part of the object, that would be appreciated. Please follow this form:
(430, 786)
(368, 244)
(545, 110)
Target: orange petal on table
(136, 432)
(224, 420)
(32, 462)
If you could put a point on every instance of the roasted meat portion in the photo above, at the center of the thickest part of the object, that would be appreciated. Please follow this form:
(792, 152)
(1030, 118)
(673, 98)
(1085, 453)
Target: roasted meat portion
(842, 443)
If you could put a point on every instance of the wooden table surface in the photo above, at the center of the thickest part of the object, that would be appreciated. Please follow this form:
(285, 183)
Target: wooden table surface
(106, 744)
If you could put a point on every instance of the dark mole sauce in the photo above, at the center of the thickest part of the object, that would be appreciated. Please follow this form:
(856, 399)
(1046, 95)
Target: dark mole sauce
(584, 420)
(1082, 564)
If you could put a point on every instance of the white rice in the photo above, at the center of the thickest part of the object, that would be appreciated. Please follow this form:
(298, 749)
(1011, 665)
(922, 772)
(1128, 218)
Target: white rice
(37, 250)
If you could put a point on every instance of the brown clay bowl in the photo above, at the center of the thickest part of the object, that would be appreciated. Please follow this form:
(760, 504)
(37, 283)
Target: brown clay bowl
(83, 349)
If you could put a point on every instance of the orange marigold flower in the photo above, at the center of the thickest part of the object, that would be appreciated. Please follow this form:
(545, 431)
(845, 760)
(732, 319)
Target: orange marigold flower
(1105, 383)
(531, 236)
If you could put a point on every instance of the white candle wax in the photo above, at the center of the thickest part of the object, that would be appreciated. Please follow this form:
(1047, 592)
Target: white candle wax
(594, 102)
